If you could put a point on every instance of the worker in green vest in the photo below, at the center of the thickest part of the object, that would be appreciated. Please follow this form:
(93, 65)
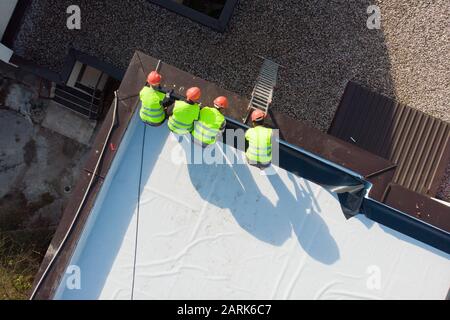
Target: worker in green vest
(184, 113)
(259, 151)
(211, 123)
(152, 101)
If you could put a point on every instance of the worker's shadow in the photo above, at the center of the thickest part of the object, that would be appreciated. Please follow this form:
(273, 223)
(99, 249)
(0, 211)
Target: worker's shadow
(270, 212)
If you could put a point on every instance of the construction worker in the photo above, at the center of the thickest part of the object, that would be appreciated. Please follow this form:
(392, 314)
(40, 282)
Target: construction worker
(259, 151)
(152, 110)
(211, 123)
(184, 113)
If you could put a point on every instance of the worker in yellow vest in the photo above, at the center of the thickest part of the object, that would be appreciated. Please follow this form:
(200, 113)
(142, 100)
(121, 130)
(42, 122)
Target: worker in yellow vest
(259, 151)
(152, 101)
(211, 123)
(184, 113)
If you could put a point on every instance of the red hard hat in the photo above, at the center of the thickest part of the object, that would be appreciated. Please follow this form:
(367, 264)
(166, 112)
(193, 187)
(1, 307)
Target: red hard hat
(193, 93)
(221, 102)
(258, 115)
(154, 78)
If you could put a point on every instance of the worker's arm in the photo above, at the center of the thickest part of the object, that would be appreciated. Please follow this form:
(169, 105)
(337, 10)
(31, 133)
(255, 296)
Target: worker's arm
(246, 134)
(168, 100)
(141, 93)
(169, 110)
(222, 127)
(246, 139)
(198, 113)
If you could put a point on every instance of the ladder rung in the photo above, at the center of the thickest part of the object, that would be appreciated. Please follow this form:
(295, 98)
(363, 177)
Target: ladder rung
(268, 72)
(270, 65)
(262, 100)
(267, 82)
(263, 90)
(262, 95)
(260, 104)
(257, 103)
(264, 86)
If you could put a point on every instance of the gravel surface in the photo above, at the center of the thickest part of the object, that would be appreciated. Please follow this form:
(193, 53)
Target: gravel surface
(444, 190)
(321, 43)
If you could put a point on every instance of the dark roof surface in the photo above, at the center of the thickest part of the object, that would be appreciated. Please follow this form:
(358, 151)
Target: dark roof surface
(322, 44)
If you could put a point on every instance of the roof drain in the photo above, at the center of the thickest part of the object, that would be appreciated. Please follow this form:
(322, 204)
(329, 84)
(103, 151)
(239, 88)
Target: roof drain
(75, 218)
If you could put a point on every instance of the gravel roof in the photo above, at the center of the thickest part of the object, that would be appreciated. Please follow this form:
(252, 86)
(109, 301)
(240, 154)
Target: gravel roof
(322, 44)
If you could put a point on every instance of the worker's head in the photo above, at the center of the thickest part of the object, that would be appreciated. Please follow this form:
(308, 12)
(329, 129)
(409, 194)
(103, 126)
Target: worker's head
(154, 78)
(221, 102)
(193, 94)
(258, 117)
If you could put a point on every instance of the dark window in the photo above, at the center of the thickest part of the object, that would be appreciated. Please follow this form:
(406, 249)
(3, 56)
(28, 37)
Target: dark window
(212, 13)
(212, 8)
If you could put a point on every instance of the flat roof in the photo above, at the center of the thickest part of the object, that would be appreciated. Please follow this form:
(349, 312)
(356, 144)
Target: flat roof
(222, 231)
(307, 163)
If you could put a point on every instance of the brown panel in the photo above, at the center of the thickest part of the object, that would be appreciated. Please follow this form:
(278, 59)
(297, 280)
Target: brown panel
(380, 182)
(415, 141)
(329, 147)
(180, 81)
(419, 206)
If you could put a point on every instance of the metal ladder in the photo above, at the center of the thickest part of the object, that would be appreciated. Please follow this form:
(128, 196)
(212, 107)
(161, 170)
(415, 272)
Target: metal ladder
(263, 91)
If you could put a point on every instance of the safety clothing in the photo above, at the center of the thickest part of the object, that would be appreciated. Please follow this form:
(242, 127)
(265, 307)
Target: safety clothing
(183, 117)
(208, 126)
(151, 110)
(259, 145)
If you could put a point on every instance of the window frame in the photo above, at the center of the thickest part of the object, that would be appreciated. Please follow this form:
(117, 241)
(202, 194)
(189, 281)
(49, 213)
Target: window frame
(202, 18)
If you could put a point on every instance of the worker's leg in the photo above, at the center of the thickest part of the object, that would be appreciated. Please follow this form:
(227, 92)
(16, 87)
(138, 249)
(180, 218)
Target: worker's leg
(259, 165)
(263, 166)
(151, 124)
(197, 142)
(177, 137)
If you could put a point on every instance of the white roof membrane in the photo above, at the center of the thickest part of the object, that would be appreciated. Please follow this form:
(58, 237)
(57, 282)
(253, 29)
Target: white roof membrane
(228, 232)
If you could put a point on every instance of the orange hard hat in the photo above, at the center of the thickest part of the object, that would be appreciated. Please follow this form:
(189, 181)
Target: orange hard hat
(193, 93)
(221, 102)
(258, 115)
(154, 78)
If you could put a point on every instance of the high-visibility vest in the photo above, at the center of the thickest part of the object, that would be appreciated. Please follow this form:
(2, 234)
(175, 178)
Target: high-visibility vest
(208, 125)
(183, 117)
(151, 110)
(259, 145)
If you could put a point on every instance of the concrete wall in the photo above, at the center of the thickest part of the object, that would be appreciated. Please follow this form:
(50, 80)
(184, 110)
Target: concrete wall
(6, 9)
